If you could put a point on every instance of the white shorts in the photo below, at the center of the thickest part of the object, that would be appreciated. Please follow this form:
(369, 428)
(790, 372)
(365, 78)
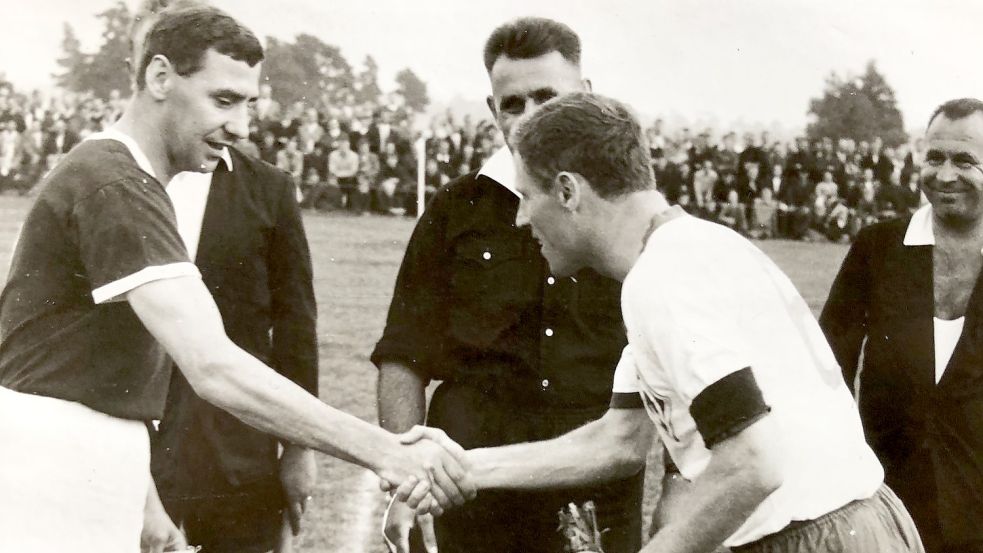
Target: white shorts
(72, 479)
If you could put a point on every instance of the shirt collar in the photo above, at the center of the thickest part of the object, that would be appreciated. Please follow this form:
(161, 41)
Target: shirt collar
(921, 228)
(113, 133)
(499, 168)
(141, 158)
(227, 158)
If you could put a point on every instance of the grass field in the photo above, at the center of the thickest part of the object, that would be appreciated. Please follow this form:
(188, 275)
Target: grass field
(355, 264)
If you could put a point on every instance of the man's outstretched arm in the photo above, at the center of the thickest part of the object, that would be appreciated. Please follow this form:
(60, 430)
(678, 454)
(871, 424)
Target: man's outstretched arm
(614, 446)
(182, 316)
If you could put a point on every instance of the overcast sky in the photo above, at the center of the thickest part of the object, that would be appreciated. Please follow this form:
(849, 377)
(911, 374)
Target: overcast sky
(720, 62)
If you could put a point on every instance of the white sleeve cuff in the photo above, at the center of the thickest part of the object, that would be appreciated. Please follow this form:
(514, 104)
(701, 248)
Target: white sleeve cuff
(114, 291)
(626, 374)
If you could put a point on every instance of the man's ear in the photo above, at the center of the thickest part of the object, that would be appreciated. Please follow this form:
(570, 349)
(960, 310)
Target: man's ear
(568, 188)
(587, 86)
(159, 77)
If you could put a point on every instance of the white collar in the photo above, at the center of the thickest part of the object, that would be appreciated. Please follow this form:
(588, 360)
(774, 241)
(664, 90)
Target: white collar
(112, 133)
(921, 228)
(920, 231)
(500, 168)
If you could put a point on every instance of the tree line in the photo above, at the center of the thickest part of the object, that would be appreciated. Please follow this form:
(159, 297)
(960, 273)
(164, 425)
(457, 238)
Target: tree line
(305, 68)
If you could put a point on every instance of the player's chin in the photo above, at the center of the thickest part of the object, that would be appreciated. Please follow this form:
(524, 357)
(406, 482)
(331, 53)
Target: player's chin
(559, 266)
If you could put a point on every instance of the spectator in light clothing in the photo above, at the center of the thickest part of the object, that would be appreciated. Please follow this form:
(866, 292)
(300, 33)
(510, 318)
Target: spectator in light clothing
(310, 131)
(10, 151)
(267, 109)
(704, 181)
(764, 215)
(732, 213)
(291, 160)
(826, 195)
(343, 167)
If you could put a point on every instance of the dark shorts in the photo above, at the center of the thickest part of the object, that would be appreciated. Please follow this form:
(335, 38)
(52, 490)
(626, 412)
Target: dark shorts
(244, 519)
(525, 522)
(878, 524)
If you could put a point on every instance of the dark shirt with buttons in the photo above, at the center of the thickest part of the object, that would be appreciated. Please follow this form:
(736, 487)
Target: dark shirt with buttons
(523, 355)
(475, 302)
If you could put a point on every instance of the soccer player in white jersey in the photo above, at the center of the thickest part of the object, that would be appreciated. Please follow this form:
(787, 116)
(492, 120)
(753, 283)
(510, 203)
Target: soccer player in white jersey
(724, 359)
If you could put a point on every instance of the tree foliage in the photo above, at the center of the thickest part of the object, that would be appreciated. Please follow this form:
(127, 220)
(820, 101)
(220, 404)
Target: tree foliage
(106, 69)
(413, 90)
(858, 107)
(367, 88)
(305, 69)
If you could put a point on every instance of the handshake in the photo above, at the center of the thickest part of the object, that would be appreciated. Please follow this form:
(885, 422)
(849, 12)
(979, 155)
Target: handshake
(434, 476)
(430, 473)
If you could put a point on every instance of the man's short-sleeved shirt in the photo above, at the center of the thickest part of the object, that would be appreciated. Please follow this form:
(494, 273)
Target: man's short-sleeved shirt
(101, 227)
(703, 306)
(475, 303)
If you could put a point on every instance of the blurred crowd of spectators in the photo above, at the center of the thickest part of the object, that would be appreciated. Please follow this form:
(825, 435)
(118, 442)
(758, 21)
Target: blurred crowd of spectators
(358, 158)
(35, 131)
(363, 159)
(763, 188)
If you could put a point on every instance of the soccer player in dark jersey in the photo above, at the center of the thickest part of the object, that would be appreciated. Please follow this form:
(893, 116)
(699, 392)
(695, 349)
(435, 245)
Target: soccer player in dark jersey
(101, 291)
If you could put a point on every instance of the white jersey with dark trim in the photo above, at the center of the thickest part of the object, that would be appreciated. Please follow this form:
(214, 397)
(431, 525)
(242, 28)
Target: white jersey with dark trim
(701, 306)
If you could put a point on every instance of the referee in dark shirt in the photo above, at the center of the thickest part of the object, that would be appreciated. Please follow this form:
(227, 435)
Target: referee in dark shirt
(522, 355)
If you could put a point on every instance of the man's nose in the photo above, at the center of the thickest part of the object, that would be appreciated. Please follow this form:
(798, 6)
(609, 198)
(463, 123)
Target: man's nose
(946, 172)
(530, 106)
(238, 123)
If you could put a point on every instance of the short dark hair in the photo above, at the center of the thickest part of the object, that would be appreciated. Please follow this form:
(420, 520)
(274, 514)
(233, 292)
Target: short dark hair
(531, 37)
(145, 15)
(589, 134)
(959, 108)
(184, 35)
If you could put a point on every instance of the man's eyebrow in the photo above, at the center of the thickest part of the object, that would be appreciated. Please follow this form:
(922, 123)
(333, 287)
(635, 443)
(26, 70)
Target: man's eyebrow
(544, 93)
(230, 94)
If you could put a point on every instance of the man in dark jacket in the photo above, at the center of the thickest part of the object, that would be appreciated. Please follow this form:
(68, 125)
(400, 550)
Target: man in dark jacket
(908, 301)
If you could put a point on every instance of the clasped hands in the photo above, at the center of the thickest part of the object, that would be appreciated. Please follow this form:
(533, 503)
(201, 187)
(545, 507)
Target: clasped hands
(432, 473)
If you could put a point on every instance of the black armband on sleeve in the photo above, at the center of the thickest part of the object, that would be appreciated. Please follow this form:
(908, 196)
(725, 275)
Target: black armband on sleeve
(728, 406)
(630, 400)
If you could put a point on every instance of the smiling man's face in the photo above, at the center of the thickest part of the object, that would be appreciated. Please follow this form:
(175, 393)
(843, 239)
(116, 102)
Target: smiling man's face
(952, 177)
(208, 111)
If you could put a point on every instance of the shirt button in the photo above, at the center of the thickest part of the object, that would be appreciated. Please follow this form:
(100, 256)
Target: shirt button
(551, 281)
(486, 256)
(546, 383)
(549, 331)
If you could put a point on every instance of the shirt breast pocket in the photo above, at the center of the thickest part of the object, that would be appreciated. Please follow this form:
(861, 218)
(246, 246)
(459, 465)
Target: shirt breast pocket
(490, 274)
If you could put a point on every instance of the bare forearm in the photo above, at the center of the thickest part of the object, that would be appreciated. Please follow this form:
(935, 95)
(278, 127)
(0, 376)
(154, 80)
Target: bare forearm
(713, 506)
(401, 397)
(595, 452)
